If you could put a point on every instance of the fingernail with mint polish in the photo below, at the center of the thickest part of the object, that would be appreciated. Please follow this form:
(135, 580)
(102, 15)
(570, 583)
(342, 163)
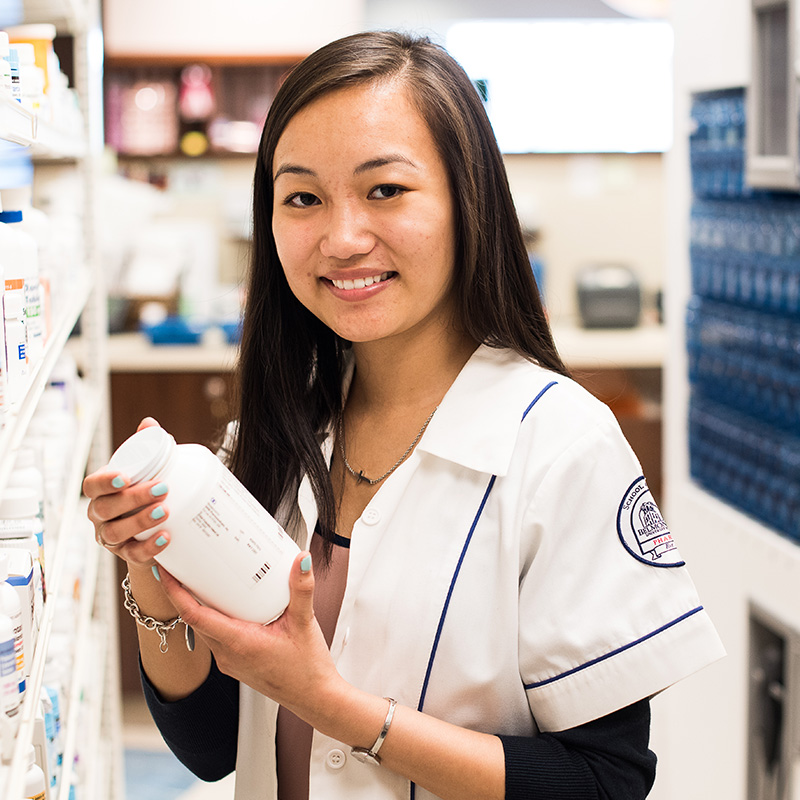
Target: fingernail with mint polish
(157, 513)
(161, 541)
(159, 489)
(155, 573)
(118, 482)
(305, 564)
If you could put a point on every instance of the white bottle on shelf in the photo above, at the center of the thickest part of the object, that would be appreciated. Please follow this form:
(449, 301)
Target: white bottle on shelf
(11, 607)
(9, 686)
(3, 387)
(16, 342)
(35, 783)
(26, 473)
(27, 224)
(20, 528)
(5, 67)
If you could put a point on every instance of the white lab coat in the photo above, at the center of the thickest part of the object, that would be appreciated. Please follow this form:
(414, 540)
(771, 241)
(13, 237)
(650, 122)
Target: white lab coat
(500, 579)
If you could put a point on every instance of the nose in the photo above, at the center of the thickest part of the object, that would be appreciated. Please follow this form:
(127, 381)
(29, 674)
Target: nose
(346, 233)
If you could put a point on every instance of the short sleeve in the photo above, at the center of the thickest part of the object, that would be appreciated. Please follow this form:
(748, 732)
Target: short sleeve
(608, 612)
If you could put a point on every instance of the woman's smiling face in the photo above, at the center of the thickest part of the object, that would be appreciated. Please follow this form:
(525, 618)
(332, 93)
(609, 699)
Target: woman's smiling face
(363, 214)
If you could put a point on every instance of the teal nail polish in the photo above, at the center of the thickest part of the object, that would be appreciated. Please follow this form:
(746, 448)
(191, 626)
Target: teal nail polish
(159, 490)
(161, 541)
(155, 573)
(118, 482)
(305, 564)
(157, 513)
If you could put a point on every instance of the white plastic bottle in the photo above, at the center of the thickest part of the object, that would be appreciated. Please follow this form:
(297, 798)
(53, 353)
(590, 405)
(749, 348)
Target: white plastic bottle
(16, 340)
(20, 527)
(35, 783)
(5, 67)
(26, 265)
(9, 687)
(225, 547)
(26, 473)
(11, 607)
(3, 381)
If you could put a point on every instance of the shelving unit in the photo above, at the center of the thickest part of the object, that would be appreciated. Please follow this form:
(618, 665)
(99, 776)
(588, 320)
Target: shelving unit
(93, 691)
(701, 726)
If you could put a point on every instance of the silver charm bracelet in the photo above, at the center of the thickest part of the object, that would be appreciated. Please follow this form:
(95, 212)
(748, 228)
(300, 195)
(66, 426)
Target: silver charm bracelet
(151, 624)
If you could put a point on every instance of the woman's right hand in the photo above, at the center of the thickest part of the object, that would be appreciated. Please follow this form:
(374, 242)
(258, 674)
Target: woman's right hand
(120, 511)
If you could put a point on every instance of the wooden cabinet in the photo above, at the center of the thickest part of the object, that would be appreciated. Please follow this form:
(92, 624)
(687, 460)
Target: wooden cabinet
(193, 407)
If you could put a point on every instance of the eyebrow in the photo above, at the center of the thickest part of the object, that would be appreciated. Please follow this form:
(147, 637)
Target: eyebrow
(373, 163)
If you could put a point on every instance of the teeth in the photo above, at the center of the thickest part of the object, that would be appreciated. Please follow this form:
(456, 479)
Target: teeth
(360, 283)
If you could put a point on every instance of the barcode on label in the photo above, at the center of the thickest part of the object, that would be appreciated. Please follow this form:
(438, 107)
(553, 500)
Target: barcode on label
(261, 573)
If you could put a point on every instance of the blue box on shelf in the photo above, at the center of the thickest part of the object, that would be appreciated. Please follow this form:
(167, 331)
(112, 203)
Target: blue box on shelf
(174, 330)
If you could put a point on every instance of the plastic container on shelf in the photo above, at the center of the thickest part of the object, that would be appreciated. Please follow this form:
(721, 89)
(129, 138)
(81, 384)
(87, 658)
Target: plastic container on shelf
(225, 547)
(9, 685)
(3, 368)
(40, 36)
(13, 68)
(12, 608)
(33, 245)
(22, 56)
(21, 528)
(15, 338)
(35, 783)
(37, 224)
(5, 66)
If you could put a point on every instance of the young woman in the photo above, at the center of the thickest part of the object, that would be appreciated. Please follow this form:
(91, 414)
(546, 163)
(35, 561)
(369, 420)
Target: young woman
(494, 594)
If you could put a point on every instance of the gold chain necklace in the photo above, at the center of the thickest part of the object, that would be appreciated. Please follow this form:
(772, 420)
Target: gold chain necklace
(360, 476)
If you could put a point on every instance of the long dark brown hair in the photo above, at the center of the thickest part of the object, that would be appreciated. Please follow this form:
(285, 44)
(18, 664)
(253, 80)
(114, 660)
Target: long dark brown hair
(290, 364)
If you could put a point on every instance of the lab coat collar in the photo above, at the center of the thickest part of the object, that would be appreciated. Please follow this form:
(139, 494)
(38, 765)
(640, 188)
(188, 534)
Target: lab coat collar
(478, 420)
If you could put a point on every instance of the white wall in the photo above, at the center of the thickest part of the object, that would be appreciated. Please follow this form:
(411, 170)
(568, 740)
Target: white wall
(237, 27)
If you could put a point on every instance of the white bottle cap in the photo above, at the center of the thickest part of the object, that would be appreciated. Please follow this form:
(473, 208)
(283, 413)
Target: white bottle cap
(13, 305)
(142, 455)
(18, 502)
(33, 30)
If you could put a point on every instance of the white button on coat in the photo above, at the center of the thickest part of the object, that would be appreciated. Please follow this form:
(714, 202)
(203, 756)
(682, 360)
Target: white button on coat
(336, 758)
(371, 516)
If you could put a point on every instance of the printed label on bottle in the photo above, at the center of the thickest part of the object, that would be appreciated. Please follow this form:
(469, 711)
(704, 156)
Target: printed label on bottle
(232, 513)
(8, 678)
(37, 796)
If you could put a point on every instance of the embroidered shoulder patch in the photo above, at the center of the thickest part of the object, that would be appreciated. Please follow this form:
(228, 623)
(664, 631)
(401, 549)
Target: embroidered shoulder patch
(642, 529)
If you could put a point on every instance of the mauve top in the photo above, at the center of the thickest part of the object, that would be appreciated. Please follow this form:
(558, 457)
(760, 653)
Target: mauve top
(293, 738)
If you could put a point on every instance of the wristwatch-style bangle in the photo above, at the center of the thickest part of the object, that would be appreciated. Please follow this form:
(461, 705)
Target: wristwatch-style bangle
(370, 756)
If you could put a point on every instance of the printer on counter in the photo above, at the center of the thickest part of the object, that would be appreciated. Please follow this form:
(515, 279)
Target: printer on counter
(609, 296)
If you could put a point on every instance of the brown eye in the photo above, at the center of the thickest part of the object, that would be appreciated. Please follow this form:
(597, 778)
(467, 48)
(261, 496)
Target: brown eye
(386, 191)
(302, 200)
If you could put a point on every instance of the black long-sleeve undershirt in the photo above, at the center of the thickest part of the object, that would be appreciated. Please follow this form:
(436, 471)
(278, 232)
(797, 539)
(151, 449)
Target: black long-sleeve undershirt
(606, 759)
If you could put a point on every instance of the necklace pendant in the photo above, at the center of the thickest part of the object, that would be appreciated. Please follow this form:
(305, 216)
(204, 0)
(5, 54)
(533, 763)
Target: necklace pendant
(361, 478)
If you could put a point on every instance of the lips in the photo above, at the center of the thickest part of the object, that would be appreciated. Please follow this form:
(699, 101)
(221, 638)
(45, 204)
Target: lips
(349, 284)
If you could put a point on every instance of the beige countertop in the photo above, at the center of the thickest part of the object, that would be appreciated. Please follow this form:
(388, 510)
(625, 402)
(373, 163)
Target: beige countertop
(632, 348)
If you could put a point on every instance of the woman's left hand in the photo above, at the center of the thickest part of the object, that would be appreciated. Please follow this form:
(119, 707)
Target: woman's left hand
(287, 660)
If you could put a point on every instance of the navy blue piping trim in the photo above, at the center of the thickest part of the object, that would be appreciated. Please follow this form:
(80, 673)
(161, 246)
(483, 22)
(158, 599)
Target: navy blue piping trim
(614, 652)
(536, 399)
(435, 646)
